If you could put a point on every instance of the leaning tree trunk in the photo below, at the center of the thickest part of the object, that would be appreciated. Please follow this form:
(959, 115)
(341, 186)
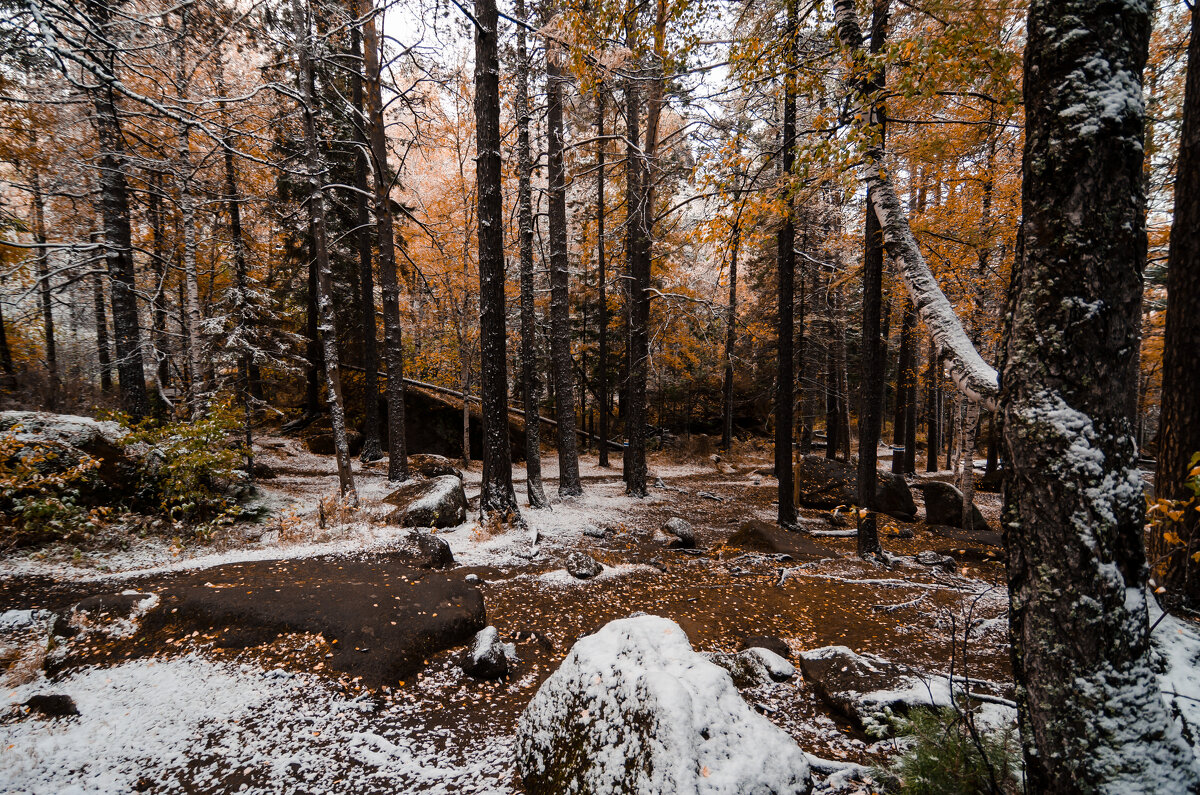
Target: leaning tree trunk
(158, 254)
(870, 416)
(372, 449)
(103, 358)
(393, 341)
(561, 363)
(530, 383)
(187, 218)
(785, 259)
(496, 495)
(1179, 424)
(316, 214)
(1091, 715)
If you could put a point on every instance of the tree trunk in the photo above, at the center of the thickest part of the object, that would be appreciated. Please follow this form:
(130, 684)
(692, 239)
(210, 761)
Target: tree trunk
(393, 340)
(314, 363)
(158, 255)
(870, 415)
(560, 276)
(372, 449)
(785, 381)
(1091, 715)
(316, 214)
(187, 217)
(103, 358)
(601, 284)
(730, 338)
(8, 376)
(905, 389)
(530, 383)
(638, 299)
(933, 410)
(496, 490)
(114, 210)
(45, 289)
(1179, 424)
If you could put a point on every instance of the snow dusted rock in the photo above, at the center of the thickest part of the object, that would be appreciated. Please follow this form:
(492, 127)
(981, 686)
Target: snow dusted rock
(427, 550)
(682, 531)
(592, 531)
(321, 442)
(754, 667)
(437, 502)
(862, 687)
(826, 483)
(769, 642)
(929, 558)
(634, 710)
(944, 506)
(583, 567)
(488, 658)
(429, 465)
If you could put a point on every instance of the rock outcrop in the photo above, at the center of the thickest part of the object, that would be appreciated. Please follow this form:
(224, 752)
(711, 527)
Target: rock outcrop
(436, 502)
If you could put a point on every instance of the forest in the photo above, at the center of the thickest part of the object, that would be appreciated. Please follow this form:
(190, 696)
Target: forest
(600, 396)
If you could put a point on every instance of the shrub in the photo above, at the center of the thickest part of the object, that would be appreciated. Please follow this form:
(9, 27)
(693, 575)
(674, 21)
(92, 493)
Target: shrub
(943, 757)
(191, 471)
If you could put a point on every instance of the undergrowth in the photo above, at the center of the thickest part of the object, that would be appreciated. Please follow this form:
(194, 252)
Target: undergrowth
(947, 754)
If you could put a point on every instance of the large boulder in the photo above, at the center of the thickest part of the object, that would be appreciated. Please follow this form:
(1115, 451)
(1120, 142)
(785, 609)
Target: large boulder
(582, 566)
(430, 465)
(944, 506)
(633, 709)
(57, 443)
(436, 502)
(827, 484)
(426, 551)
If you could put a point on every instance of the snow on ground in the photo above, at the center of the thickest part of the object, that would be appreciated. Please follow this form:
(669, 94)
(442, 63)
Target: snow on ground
(189, 724)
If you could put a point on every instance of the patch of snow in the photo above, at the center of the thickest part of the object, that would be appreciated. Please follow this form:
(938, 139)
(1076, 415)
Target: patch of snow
(189, 724)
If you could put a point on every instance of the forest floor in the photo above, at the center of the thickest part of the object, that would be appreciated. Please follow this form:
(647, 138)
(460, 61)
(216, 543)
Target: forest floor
(173, 710)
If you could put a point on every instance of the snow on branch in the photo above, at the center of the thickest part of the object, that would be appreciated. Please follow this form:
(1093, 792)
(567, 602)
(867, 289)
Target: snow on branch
(974, 377)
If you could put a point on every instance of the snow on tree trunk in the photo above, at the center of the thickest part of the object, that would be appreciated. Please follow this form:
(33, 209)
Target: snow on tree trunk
(785, 263)
(531, 389)
(562, 365)
(496, 491)
(1092, 717)
(393, 340)
(973, 376)
(316, 213)
(372, 449)
(638, 272)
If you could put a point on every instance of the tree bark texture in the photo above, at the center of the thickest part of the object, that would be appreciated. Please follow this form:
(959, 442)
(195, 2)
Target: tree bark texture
(316, 213)
(601, 285)
(785, 262)
(496, 491)
(389, 282)
(638, 265)
(1091, 715)
(561, 363)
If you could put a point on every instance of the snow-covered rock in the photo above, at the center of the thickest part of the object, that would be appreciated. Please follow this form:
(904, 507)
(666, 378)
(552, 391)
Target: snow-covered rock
(427, 550)
(754, 667)
(1175, 656)
(582, 566)
(488, 657)
(429, 465)
(437, 502)
(682, 530)
(633, 709)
